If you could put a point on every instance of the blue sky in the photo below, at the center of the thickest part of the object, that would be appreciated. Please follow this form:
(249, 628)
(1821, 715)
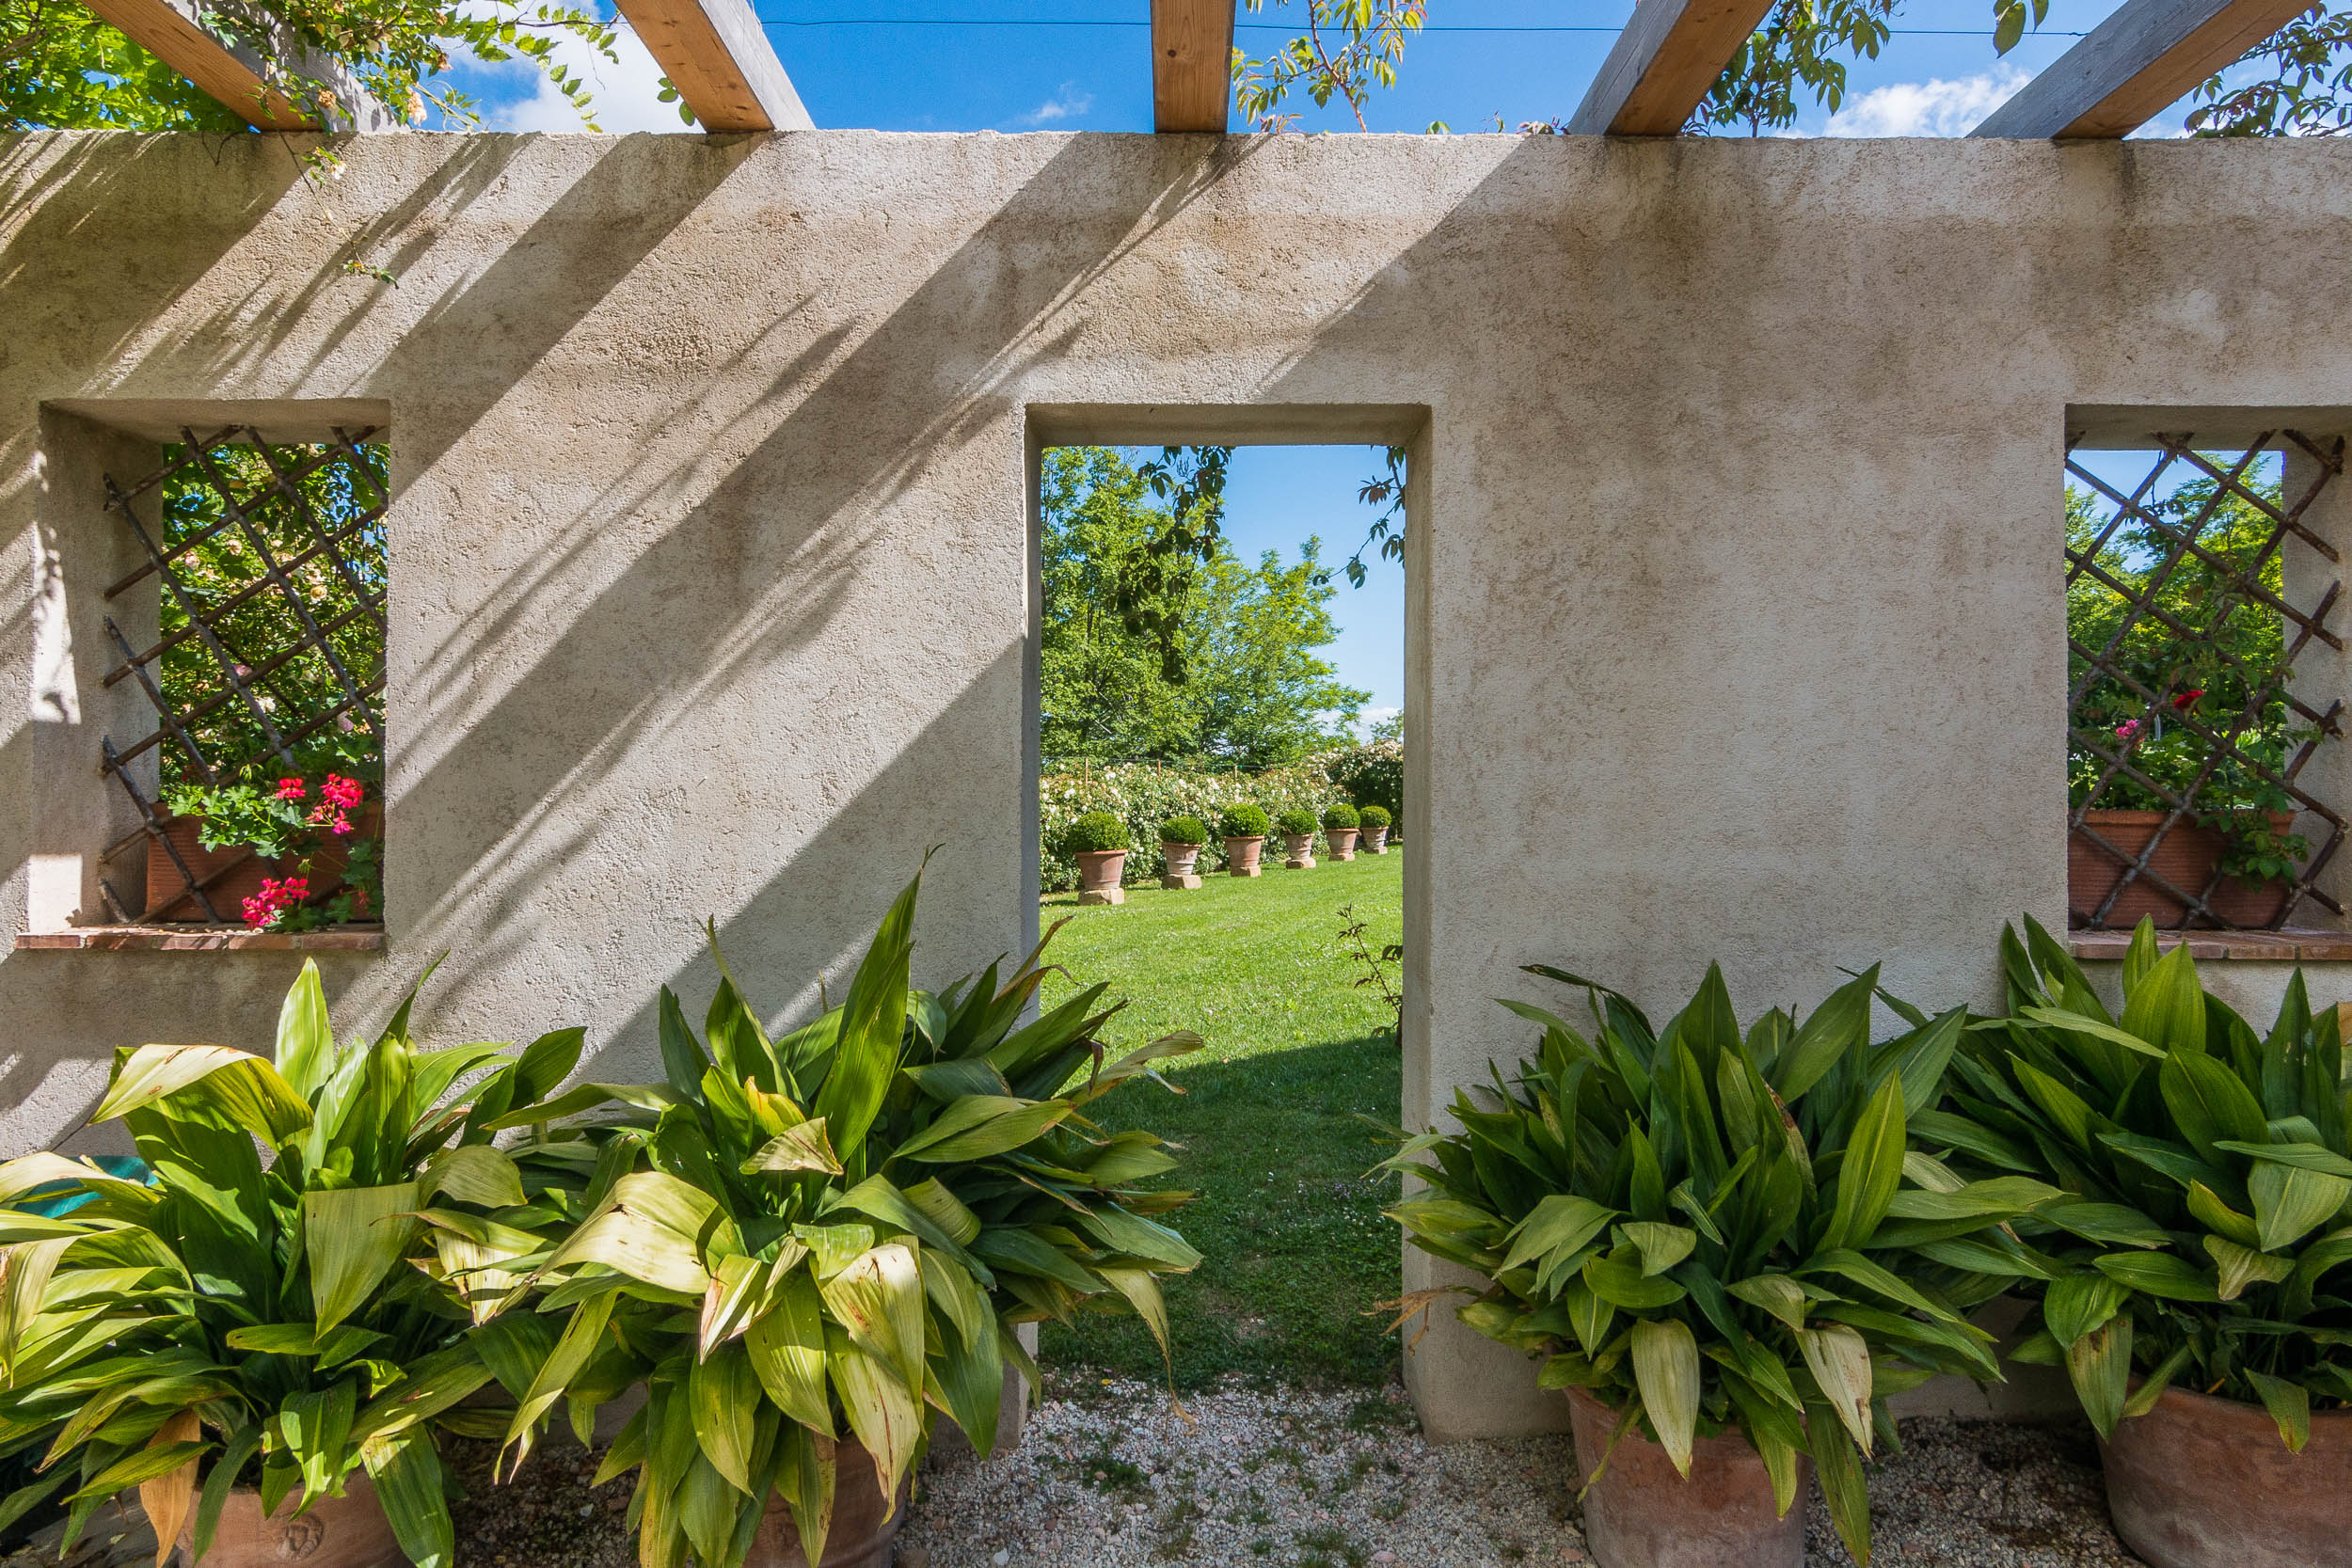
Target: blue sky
(1084, 65)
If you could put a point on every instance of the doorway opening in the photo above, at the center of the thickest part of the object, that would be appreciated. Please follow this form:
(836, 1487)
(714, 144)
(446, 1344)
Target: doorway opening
(1221, 657)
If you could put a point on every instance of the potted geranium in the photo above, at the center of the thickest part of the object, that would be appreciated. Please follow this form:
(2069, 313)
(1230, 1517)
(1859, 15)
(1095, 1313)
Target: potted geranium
(1243, 828)
(1339, 829)
(308, 1282)
(855, 1217)
(1722, 1248)
(1181, 841)
(294, 855)
(2197, 1284)
(1375, 820)
(1298, 838)
(1099, 841)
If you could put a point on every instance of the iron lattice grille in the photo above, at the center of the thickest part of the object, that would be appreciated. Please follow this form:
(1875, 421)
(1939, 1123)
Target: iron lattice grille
(271, 623)
(2181, 700)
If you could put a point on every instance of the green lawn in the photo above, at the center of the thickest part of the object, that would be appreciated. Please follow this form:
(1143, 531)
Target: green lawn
(1295, 1249)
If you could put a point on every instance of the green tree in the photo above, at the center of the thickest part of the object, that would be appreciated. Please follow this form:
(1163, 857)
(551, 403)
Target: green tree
(1177, 652)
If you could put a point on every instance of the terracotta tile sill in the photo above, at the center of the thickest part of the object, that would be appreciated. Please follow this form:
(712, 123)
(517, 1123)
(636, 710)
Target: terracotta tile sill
(2287, 946)
(198, 939)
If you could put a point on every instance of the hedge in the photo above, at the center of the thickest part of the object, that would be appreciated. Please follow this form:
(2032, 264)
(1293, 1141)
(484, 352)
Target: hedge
(1144, 795)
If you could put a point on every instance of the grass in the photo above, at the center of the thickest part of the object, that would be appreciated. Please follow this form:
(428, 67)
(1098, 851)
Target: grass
(1294, 1250)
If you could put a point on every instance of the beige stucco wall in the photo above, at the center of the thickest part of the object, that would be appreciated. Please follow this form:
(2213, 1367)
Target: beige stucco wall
(1735, 577)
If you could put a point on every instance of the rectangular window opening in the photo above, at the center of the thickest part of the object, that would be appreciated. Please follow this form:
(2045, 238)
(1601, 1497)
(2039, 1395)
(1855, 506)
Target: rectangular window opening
(253, 624)
(2203, 630)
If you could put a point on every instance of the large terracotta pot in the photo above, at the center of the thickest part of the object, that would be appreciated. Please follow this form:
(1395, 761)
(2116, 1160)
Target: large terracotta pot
(349, 1532)
(1342, 842)
(1299, 851)
(1241, 855)
(2185, 859)
(2202, 1483)
(865, 1530)
(167, 897)
(1643, 1514)
(1182, 859)
(1376, 841)
(1099, 871)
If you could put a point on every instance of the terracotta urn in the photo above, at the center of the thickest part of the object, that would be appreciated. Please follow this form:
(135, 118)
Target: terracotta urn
(1642, 1514)
(1299, 851)
(865, 1529)
(1241, 855)
(2205, 1482)
(349, 1532)
(1181, 860)
(1099, 871)
(1376, 841)
(1342, 842)
(2185, 859)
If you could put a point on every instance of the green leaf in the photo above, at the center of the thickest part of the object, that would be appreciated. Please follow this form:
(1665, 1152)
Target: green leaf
(2168, 1008)
(2077, 1304)
(305, 1044)
(1775, 1293)
(2291, 1201)
(1666, 1371)
(2157, 1274)
(2241, 1266)
(1871, 1171)
(1838, 1466)
(2211, 1212)
(2060, 1018)
(353, 1238)
(2112, 1223)
(886, 1417)
(2302, 1156)
(786, 1345)
(1662, 1246)
(2208, 1104)
(2100, 1366)
(1838, 1025)
(236, 1083)
(406, 1471)
(1621, 1284)
(722, 1394)
(472, 1173)
(873, 1018)
(1561, 1222)
(2290, 1406)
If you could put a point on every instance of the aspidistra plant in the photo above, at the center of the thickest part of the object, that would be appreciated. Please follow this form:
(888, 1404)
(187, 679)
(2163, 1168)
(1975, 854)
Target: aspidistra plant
(2208, 1240)
(311, 1277)
(827, 1235)
(1711, 1229)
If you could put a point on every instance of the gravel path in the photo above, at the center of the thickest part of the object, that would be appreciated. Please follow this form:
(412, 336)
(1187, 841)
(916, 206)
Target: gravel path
(1110, 1476)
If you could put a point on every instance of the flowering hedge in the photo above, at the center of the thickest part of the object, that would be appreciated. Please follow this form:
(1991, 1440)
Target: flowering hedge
(1143, 795)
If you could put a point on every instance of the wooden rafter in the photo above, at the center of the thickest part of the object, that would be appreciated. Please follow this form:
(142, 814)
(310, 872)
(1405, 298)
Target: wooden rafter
(717, 56)
(2147, 55)
(1662, 64)
(1192, 54)
(205, 60)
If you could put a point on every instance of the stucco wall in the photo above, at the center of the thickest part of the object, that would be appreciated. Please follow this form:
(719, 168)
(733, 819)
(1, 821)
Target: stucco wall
(1738, 617)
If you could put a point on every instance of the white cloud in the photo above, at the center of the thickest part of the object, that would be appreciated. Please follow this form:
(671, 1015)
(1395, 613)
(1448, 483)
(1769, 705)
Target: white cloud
(1370, 716)
(1931, 108)
(622, 97)
(1069, 104)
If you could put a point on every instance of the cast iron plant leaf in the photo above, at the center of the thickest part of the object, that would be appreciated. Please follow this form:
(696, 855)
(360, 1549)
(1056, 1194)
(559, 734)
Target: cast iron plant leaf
(1711, 1229)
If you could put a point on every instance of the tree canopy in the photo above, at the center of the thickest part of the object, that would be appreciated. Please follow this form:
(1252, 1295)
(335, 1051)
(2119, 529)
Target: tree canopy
(1179, 655)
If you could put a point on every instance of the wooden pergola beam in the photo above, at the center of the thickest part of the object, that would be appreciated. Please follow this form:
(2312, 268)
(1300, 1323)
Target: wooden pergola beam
(1662, 64)
(2145, 56)
(205, 60)
(717, 56)
(1192, 63)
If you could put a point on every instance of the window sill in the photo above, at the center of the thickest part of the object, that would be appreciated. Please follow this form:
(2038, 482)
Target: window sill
(2290, 945)
(198, 939)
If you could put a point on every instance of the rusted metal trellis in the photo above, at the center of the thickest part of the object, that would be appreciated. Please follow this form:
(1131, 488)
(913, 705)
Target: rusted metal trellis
(2187, 559)
(255, 542)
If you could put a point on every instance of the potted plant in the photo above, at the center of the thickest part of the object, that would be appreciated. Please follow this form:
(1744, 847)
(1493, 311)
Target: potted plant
(1339, 829)
(2197, 1284)
(1097, 841)
(308, 1282)
(1181, 840)
(1722, 1248)
(1298, 838)
(1243, 828)
(1376, 825)
(822, 1238)
(294, 855)
(2237, 831)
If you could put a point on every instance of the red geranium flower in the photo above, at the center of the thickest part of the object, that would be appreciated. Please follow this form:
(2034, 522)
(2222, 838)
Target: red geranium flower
(2180, 704)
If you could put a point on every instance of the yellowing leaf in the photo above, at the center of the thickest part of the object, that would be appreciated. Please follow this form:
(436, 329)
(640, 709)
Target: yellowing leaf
(1666, 1371)
(166, 1498)
(244, 1087)
(798, 1148)
(473, 1173)
(1839, 1359)
(353, 1237)
(879, 1300)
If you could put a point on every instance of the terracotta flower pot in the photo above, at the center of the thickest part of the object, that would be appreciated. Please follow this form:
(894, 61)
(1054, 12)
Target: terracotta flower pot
(1642, 1514)
(2185, 859)
(1181, 860)
(1241, 855)
(167, 897)
(1299, 851)
(2204, 1483)
(1376, 841)
(1099, 871)
(1342, 842)
(349, 1532)
(864, 1532)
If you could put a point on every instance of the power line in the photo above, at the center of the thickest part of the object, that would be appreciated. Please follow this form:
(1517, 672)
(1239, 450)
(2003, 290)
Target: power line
(1277, 27)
